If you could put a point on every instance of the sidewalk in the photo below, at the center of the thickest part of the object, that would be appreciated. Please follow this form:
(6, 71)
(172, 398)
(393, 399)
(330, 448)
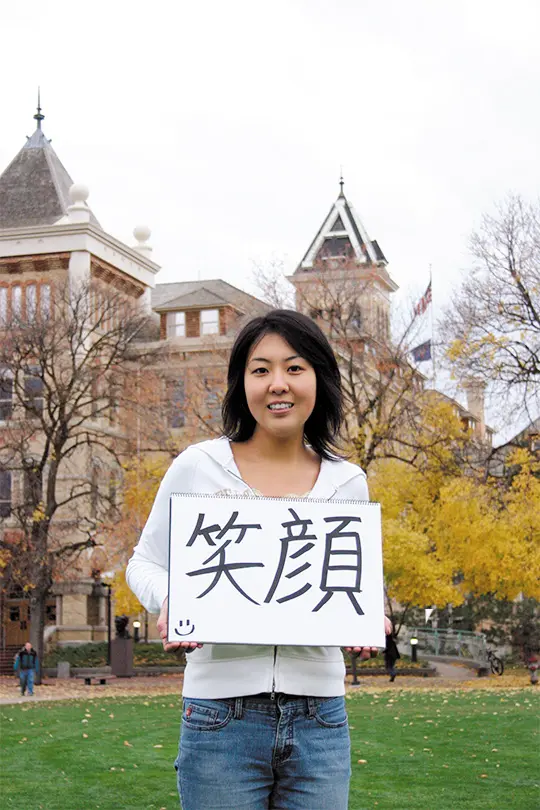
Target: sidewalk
(76, 689)
(453, 677)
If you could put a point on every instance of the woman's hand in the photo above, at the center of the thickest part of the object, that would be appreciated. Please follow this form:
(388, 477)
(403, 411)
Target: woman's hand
(370, 652)
(363, 652)
(172, 646)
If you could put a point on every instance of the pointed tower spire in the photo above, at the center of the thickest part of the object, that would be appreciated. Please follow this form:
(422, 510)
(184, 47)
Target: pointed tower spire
(342, 236)
(38, 116)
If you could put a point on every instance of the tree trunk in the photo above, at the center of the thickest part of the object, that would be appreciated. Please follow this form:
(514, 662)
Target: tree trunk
(37, 626)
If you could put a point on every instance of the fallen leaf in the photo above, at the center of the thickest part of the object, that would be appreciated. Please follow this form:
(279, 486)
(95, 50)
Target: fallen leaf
(85, 736)
(129, 745)
(362, 761)
(158, 746)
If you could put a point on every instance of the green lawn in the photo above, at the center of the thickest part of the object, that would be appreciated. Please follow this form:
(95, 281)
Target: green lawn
(440, 750)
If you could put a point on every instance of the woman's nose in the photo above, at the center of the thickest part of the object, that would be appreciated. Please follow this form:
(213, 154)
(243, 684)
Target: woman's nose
(278, 384)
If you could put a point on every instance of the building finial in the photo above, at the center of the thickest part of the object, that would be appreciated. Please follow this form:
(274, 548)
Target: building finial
(341, 182)
(38, 116)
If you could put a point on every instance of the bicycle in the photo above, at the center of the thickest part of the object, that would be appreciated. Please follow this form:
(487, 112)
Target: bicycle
(497, 666)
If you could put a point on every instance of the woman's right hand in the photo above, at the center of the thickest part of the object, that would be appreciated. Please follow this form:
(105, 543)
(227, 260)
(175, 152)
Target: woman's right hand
(172, 646)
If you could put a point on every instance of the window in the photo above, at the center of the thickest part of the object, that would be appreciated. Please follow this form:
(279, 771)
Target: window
(94, 491)
(356, 319)
(176, 403)
(15, 613)
(5, 493)
(176, 324)
(114, 393)
(32, 486)
(92, 610)
(45, 300)
(16, 298)
(213, 407)
(113, 490)
(3, 305)
(336, 247)
(209, 321)
(33, 390)
(212, 398)
(6, 398)
(31, 302)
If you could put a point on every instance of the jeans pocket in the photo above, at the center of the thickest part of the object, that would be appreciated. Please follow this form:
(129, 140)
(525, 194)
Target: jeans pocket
(206, 715)
(331, 713)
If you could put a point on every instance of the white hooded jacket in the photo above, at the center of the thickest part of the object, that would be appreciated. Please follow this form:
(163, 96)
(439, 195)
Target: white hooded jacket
(233, 670)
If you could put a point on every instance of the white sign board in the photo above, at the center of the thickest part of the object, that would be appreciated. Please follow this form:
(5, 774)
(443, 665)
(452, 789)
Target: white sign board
(247, 570)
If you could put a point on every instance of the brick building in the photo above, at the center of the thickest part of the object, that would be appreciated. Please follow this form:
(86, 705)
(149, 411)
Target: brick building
(51, 239)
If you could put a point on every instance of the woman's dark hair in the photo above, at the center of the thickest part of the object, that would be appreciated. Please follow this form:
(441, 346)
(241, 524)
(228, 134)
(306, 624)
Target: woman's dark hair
(322, 428)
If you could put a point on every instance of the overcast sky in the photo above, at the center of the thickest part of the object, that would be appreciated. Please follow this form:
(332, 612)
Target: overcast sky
(223, 124)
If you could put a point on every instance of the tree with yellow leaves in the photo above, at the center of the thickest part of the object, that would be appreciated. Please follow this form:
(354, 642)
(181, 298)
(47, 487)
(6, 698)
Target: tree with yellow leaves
(449, 535)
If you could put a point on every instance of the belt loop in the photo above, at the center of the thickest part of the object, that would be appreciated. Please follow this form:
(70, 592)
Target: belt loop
(238, 708)
(311, 706)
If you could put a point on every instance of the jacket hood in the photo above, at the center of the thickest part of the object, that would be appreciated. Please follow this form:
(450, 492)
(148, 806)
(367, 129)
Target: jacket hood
(332, 476)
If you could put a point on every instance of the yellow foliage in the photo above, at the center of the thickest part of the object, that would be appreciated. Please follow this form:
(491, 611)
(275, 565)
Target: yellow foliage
(125, 600)
(450, 534)
(141, 482)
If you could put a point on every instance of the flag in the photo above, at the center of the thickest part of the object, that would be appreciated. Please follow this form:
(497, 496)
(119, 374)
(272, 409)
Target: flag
(424, 302)
(422, 352)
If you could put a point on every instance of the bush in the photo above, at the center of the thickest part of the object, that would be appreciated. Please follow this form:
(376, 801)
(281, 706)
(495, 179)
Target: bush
(82, 655)
(95, 655)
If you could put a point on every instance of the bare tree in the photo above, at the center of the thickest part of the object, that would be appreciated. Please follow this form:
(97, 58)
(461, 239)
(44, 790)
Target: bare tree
(492, 327)
(389, 414)
(65, 379)
(272, 285)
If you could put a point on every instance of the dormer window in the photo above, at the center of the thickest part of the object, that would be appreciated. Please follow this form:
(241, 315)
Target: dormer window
(176, 324)
(209, 322)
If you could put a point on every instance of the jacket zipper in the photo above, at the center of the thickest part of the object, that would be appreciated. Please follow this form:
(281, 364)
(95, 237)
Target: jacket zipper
(273, 692)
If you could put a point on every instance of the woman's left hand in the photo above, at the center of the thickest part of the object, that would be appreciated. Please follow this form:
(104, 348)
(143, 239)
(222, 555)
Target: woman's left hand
(370, 652)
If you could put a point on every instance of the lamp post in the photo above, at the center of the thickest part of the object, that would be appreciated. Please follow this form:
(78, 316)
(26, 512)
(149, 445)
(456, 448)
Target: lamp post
(109, 589)
(136, 628)
(414, 645)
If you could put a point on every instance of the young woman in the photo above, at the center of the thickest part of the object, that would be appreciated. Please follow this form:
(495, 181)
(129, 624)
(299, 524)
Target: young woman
(262, 727)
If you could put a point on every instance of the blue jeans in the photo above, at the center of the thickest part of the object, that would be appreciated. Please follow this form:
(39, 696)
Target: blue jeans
(26, 677)
(258, 753)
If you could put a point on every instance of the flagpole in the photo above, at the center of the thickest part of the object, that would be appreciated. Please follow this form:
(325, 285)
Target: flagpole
(431, 328)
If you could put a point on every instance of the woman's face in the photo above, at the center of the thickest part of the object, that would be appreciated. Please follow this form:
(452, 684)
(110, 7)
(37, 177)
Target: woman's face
(280, 387)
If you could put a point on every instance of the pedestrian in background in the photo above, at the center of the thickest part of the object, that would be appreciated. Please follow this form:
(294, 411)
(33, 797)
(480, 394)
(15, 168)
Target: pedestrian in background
(391, 655)
(26, 664)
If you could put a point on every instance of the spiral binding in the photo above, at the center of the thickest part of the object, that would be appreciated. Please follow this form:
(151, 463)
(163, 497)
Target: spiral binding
(250, 496)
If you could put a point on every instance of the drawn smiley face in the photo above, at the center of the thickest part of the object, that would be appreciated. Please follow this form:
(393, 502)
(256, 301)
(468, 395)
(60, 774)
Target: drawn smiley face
(186, 628)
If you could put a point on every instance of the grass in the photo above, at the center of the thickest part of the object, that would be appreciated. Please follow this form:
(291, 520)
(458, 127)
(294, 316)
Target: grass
(410, 749)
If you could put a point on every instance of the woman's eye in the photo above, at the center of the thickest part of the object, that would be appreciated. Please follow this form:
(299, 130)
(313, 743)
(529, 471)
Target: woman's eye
(295, 368)
(259, 371)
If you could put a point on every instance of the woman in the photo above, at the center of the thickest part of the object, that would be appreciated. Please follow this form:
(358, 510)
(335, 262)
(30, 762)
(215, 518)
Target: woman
(262, 727)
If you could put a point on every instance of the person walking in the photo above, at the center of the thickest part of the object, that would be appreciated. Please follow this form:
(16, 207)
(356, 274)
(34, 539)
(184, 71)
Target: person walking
(262, 727)
(27, 665)
(391, 655)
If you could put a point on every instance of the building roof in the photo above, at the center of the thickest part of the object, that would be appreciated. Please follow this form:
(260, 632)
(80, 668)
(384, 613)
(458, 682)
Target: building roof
(34, 187)
(208, 293)
(342, 234)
